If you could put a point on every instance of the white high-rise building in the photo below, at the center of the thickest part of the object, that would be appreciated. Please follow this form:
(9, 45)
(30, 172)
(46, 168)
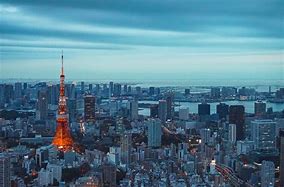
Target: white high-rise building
(267, 174)
(232, 133)
(205, 135)
(154, 133)
(263, 134)
(183, 114)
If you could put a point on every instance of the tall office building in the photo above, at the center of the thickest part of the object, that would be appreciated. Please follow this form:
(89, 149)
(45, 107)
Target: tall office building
(4, 171)
(91, 88)
(205, 135)
(116, 90)
(18, 90)
(98, 89)
(267, 174)
(53, 93)
(170, 103)
(281, 177)
(154, 110)
(138, 90)
(42, 104)
(8, 93)
(125, 89)
(110, 89)
(263, 134)
(162, 110)
(109, 175)
(232, 133)
(237, 116)
(259, 108)
(129, 89)
(154, 133)
(71, 105)
(203, 109)
(89, 108)
(133, 109)
(126, 145)
(222, 110)
(82, 87)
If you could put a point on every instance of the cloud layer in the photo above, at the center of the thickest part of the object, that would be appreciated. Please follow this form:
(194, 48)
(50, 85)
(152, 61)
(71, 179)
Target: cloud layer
(101, 34)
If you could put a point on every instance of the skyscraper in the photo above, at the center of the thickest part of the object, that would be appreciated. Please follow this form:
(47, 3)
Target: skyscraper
(71, 104)
(126, 144)
(222, 110)
(4, 171)
(154, 110)
(263, 134)
(170, 102)
(91, 88)
(116, 90)
(162, 110)
(133, 109)
(259, 108)
(89, 108)
(110, 87)
(232, 133)
(62, 139)
(237, 116)
(154, 133)
(267, 174)
(42, 104)
(109, 175)
(53, 93)
(18, 90)
(281, 135)
(203, 109)
(82, 87)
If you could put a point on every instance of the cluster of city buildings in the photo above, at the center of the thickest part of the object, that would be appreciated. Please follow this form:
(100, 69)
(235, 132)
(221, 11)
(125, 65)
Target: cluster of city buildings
(113, 144)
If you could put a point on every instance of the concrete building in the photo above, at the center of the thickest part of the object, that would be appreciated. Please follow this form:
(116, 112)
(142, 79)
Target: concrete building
(4, 171)
(154, 133)
(267, 174)
(263, 134)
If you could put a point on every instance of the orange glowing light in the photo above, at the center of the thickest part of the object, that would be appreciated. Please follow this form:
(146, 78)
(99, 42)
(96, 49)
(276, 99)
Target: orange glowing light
(62, 139)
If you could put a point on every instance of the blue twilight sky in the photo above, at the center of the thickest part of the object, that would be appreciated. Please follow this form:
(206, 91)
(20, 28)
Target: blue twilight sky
(143, 39)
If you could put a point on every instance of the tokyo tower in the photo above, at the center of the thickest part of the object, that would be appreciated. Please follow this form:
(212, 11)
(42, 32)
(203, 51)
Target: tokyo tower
(62, 139)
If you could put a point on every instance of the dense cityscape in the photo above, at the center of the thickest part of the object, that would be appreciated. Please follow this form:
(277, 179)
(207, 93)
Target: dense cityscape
(142, 93)
(84, 134)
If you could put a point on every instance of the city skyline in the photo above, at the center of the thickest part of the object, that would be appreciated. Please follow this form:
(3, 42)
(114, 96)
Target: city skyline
(143, 40)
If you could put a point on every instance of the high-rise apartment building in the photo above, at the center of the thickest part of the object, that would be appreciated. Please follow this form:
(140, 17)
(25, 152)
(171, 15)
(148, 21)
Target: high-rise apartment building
(154, 133)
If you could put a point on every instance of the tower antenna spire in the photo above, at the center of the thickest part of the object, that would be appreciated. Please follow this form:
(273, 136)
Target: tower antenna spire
(62, 72)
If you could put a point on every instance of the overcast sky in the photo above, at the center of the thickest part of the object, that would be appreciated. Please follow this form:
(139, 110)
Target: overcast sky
(146, 39)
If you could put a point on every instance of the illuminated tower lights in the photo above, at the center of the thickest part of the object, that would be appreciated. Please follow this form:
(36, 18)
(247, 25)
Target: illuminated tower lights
(62, 139)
